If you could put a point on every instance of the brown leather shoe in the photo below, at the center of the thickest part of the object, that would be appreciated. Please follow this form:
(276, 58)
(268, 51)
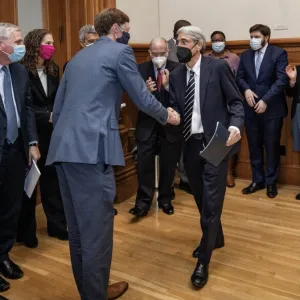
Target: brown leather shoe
(230, 181)
(230, 178)
(116, 290)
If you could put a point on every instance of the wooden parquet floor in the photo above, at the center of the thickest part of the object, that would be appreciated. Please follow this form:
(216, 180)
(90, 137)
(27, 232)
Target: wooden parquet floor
(261, 259)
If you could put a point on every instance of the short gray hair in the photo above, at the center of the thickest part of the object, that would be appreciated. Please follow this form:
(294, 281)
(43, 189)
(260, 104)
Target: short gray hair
(86, 29)
(196, 34)
(6, 30)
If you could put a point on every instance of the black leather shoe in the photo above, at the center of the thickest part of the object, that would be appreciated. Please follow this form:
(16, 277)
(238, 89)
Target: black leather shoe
(252, 188)
(200, 275)
(272, 190)
(4, 285)
(29, 243)
(298, 197)
(10, 270)
(168, 209)
(139, 212)
(62, 235)
(3, 298)
(218, 245)
(115, 211)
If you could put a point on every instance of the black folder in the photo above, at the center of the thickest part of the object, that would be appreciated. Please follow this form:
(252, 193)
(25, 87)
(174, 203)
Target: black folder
(216, 150)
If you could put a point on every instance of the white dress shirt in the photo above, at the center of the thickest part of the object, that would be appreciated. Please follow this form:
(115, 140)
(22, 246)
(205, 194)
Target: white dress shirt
(262, 51)
(13, 94)
(43, 78)
(197, 126)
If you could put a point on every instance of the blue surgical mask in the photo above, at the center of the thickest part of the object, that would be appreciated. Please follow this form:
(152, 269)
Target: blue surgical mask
(18, 54)
(218, 47)
(124, 39)
(255, 43)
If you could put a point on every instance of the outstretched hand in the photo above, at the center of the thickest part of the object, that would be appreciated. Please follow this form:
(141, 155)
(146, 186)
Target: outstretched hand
(173, 116)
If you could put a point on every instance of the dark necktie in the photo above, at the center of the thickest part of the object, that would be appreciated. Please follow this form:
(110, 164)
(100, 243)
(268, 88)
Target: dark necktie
(188, 106)
(159, 79)
(12, 123)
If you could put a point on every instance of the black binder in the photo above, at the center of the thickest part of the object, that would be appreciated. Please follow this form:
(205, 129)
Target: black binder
(216, 150)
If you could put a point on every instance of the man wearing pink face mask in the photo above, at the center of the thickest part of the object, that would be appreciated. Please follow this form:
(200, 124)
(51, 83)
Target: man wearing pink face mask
(44, 81)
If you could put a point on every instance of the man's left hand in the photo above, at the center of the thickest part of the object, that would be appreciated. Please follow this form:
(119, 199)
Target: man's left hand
(234, 136)
(260, 107)
(34, 154)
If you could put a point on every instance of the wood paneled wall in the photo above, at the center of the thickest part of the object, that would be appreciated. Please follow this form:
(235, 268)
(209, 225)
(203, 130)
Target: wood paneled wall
(8, 11)
(290, 163)
(65, 18)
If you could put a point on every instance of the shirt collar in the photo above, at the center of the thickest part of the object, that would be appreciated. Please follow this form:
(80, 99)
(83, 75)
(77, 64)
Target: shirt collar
(162, 68)
(196, 67)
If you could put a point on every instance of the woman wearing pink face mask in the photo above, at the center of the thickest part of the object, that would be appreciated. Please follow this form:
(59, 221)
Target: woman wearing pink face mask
(44, 79)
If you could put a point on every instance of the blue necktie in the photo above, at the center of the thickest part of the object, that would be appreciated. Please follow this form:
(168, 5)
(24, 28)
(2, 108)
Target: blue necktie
(12, 123)
(258, 63)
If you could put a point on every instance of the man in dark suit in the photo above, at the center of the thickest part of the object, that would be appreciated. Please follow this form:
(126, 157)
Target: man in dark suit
(204, 92)
(151, 137)
(262, 79)
(18, 140)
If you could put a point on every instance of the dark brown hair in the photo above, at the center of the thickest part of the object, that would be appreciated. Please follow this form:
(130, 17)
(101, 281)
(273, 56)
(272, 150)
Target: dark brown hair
(33, 42)
(107, 18)
(178, 25)
(218, 32)
(263, 29)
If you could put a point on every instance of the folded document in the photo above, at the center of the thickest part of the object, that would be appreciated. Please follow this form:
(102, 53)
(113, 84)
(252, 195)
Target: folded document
(32, 179)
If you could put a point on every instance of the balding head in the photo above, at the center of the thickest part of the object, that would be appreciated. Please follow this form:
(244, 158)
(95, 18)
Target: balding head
(158, 42)
(158, 50)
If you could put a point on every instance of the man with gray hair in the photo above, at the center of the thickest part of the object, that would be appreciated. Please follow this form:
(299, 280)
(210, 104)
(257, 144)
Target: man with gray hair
(87, 35)
(201, 90)
(18, 142)
(153, 138)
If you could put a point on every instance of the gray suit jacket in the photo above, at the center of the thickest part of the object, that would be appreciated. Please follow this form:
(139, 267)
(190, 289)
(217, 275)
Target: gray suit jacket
(87, 105)
(172, 50)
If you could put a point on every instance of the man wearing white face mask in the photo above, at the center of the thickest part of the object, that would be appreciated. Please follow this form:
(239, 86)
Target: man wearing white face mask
(151, 137)
(262, 79)
(18, 142)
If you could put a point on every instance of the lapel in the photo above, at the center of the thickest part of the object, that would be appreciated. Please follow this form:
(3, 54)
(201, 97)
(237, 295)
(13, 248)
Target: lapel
(37, 82)
(151, 73)
(1, 105)
(252, 64)
(182, 83)
(267, 56)
(205, 71)
(14, 79)
(50, 85)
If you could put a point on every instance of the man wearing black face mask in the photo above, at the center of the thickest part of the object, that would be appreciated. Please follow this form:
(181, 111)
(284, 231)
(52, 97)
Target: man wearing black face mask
(201, 90)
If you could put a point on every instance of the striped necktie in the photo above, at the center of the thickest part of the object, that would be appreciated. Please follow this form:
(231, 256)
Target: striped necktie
(11, 115)
(188, 106)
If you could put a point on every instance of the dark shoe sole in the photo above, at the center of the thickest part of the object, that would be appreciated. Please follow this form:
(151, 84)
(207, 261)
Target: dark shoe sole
(249, 193)
(120, 294)
(6, 288)
(200, 286)
(272, 196)
(62, 238)
(11, 277)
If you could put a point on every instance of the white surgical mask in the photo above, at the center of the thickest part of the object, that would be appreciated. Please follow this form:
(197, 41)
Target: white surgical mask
(255, 43)
(218, 47)
(159, 61)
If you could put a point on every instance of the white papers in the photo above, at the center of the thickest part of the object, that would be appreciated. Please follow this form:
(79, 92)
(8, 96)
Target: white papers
(32, 179)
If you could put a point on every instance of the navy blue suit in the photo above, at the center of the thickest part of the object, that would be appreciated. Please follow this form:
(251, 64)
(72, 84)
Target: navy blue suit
(264, 130)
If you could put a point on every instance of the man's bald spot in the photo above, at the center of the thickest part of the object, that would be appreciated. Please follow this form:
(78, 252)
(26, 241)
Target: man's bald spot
(158, 41)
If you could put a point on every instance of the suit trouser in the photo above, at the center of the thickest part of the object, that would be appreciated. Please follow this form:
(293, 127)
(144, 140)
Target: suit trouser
(12, 177)
(168, 158)
(88, 192)
(52, 204)
(208, 185)
(181, 170)
(264, 133)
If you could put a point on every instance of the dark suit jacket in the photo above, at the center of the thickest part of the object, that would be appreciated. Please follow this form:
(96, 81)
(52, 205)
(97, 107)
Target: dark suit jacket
(295, 92)
(220, 99)
(43, 106)
(145, 124)
(271, 81)
(22, 93)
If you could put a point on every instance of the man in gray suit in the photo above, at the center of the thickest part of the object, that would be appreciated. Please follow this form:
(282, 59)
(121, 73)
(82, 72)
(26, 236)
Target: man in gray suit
(184, 183)
(85, 145)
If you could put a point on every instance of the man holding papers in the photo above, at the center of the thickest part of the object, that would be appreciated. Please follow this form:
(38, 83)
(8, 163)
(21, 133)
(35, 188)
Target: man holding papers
(18, 140)
(204, 92)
